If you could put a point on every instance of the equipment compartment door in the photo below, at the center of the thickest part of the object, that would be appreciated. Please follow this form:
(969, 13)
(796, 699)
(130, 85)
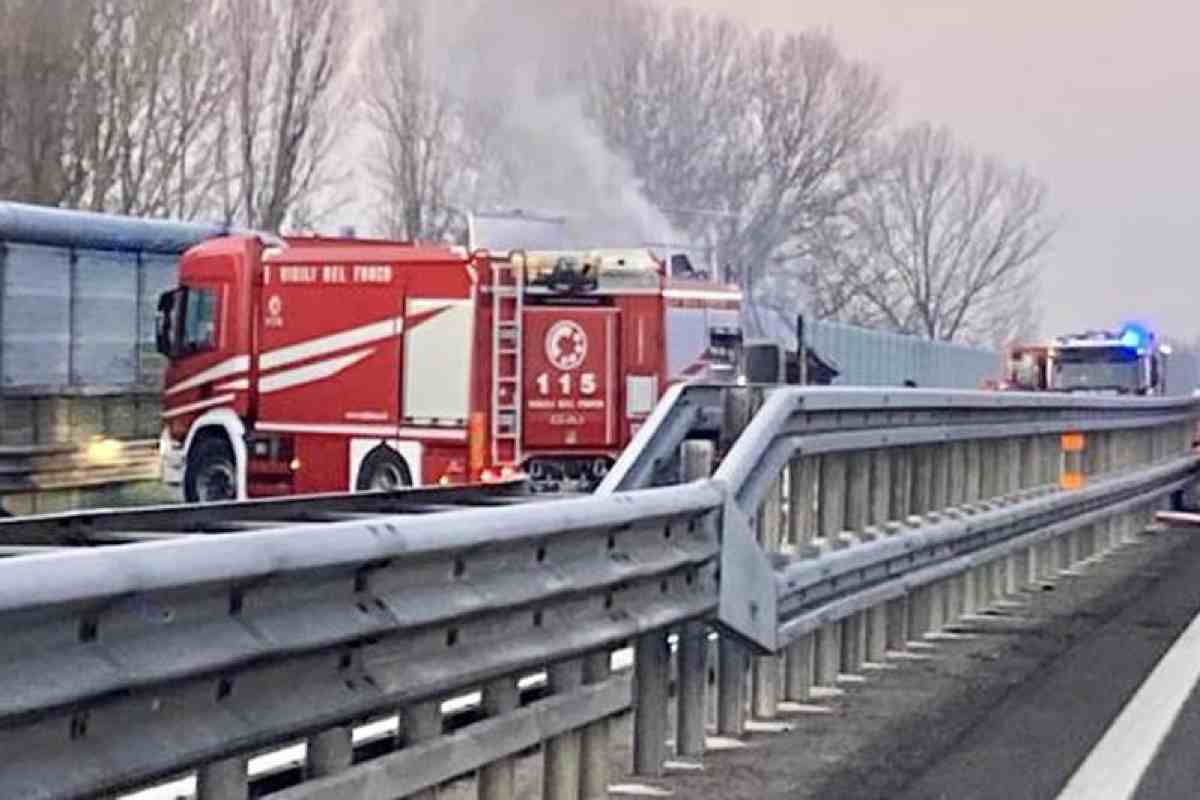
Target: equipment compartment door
(571, 369)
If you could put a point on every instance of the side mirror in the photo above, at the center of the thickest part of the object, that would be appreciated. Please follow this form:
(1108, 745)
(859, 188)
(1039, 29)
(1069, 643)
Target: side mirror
(164, 322)
(764, 362)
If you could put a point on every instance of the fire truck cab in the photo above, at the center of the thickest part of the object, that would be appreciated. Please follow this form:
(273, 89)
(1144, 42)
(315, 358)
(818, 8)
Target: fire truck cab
(1096, 362)
(312, 364)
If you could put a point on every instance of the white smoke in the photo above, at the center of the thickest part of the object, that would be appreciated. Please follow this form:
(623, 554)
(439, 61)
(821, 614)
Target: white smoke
(516, 66)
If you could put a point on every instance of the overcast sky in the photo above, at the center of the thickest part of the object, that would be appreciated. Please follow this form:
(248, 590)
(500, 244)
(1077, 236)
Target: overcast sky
(1100, 98)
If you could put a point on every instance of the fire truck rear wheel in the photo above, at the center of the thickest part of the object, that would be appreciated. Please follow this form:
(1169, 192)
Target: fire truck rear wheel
(383, 469)
(210, 474)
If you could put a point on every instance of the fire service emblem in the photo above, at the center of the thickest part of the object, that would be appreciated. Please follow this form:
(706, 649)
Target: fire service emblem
(566, 345)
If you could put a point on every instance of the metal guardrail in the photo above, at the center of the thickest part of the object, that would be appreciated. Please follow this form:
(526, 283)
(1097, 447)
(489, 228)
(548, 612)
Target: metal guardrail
(838, 523)
(37, 468)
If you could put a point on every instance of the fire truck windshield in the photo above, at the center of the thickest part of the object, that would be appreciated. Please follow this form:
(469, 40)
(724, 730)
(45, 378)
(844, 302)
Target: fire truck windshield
(1094, 369)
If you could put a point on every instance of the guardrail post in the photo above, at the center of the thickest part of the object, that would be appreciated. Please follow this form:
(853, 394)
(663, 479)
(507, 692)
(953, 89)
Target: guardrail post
(732, 661)
(692, 707)
(881, 487)
(798, 670)
(1031, 452)
(919, 600)
(827, 645)
(902, 479)
(922, 498)
(802, 479)
(329, 752)
(652, 663)
(940, 491)
(593, 761)
(832, 495)
(497, 781)
(765, 669)
(732, 658)
(935, 617)
(693, 681)
(422, 722)
(1012, 485)
(1102, 466)
(858, 490)
(1074, 476)
(223, 780)
(828, 655)
(798, 657)
(896, 611)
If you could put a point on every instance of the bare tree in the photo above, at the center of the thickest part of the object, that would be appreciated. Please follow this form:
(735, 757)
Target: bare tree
(284, 58)
(39, 51)
(666, 90)
(140, 132)
(946, 243)
(811, 116)
(419, 130)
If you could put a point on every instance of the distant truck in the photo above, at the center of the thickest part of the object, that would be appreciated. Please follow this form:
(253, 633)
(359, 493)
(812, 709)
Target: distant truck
(1129, 361)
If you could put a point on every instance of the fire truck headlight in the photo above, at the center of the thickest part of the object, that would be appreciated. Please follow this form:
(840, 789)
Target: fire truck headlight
(103, 451)
(294, 466)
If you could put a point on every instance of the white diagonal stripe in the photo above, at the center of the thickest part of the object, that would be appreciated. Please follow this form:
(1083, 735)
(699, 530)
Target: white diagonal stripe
(331, 343)
(310, 372)
(230, 366)
(189, 407)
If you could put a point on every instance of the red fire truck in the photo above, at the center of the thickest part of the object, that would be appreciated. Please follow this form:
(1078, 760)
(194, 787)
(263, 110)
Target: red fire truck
(314, 364)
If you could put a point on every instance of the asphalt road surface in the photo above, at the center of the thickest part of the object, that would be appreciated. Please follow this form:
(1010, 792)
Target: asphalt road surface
(1010, 708)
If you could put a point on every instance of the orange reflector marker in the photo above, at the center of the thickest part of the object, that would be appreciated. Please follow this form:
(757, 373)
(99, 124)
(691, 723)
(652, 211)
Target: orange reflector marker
(1071, 480)
(1072, 442)
(476, 443)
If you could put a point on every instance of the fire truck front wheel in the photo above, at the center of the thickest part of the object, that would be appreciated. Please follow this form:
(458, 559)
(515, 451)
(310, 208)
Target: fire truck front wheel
(211, 474)
(383, 469)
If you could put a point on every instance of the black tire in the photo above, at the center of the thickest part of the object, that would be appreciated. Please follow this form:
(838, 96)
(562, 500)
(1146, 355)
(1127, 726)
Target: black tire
(211, 472)
(383, 470)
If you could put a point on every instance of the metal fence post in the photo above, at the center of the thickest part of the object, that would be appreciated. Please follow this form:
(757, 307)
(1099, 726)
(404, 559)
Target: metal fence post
(797, 661)
(561, 754)
(223, 780)
(798, 670)
(652, 662)
(858, 490)
(902, 477)
(832, 497)
(897, 610)
(593, 762)
(881, 487)
(801, 496)
(922, 488)
(732, 658)
(422, 722)
(693, 681)
(692, 657)
(765, 669)
(732, 661)
(329, 752)
(497, 781)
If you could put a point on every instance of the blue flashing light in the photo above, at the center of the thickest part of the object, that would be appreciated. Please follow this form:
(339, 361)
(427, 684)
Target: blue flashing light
(1136, 337)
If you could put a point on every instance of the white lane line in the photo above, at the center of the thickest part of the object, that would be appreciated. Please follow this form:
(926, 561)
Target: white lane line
(1116, 764)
